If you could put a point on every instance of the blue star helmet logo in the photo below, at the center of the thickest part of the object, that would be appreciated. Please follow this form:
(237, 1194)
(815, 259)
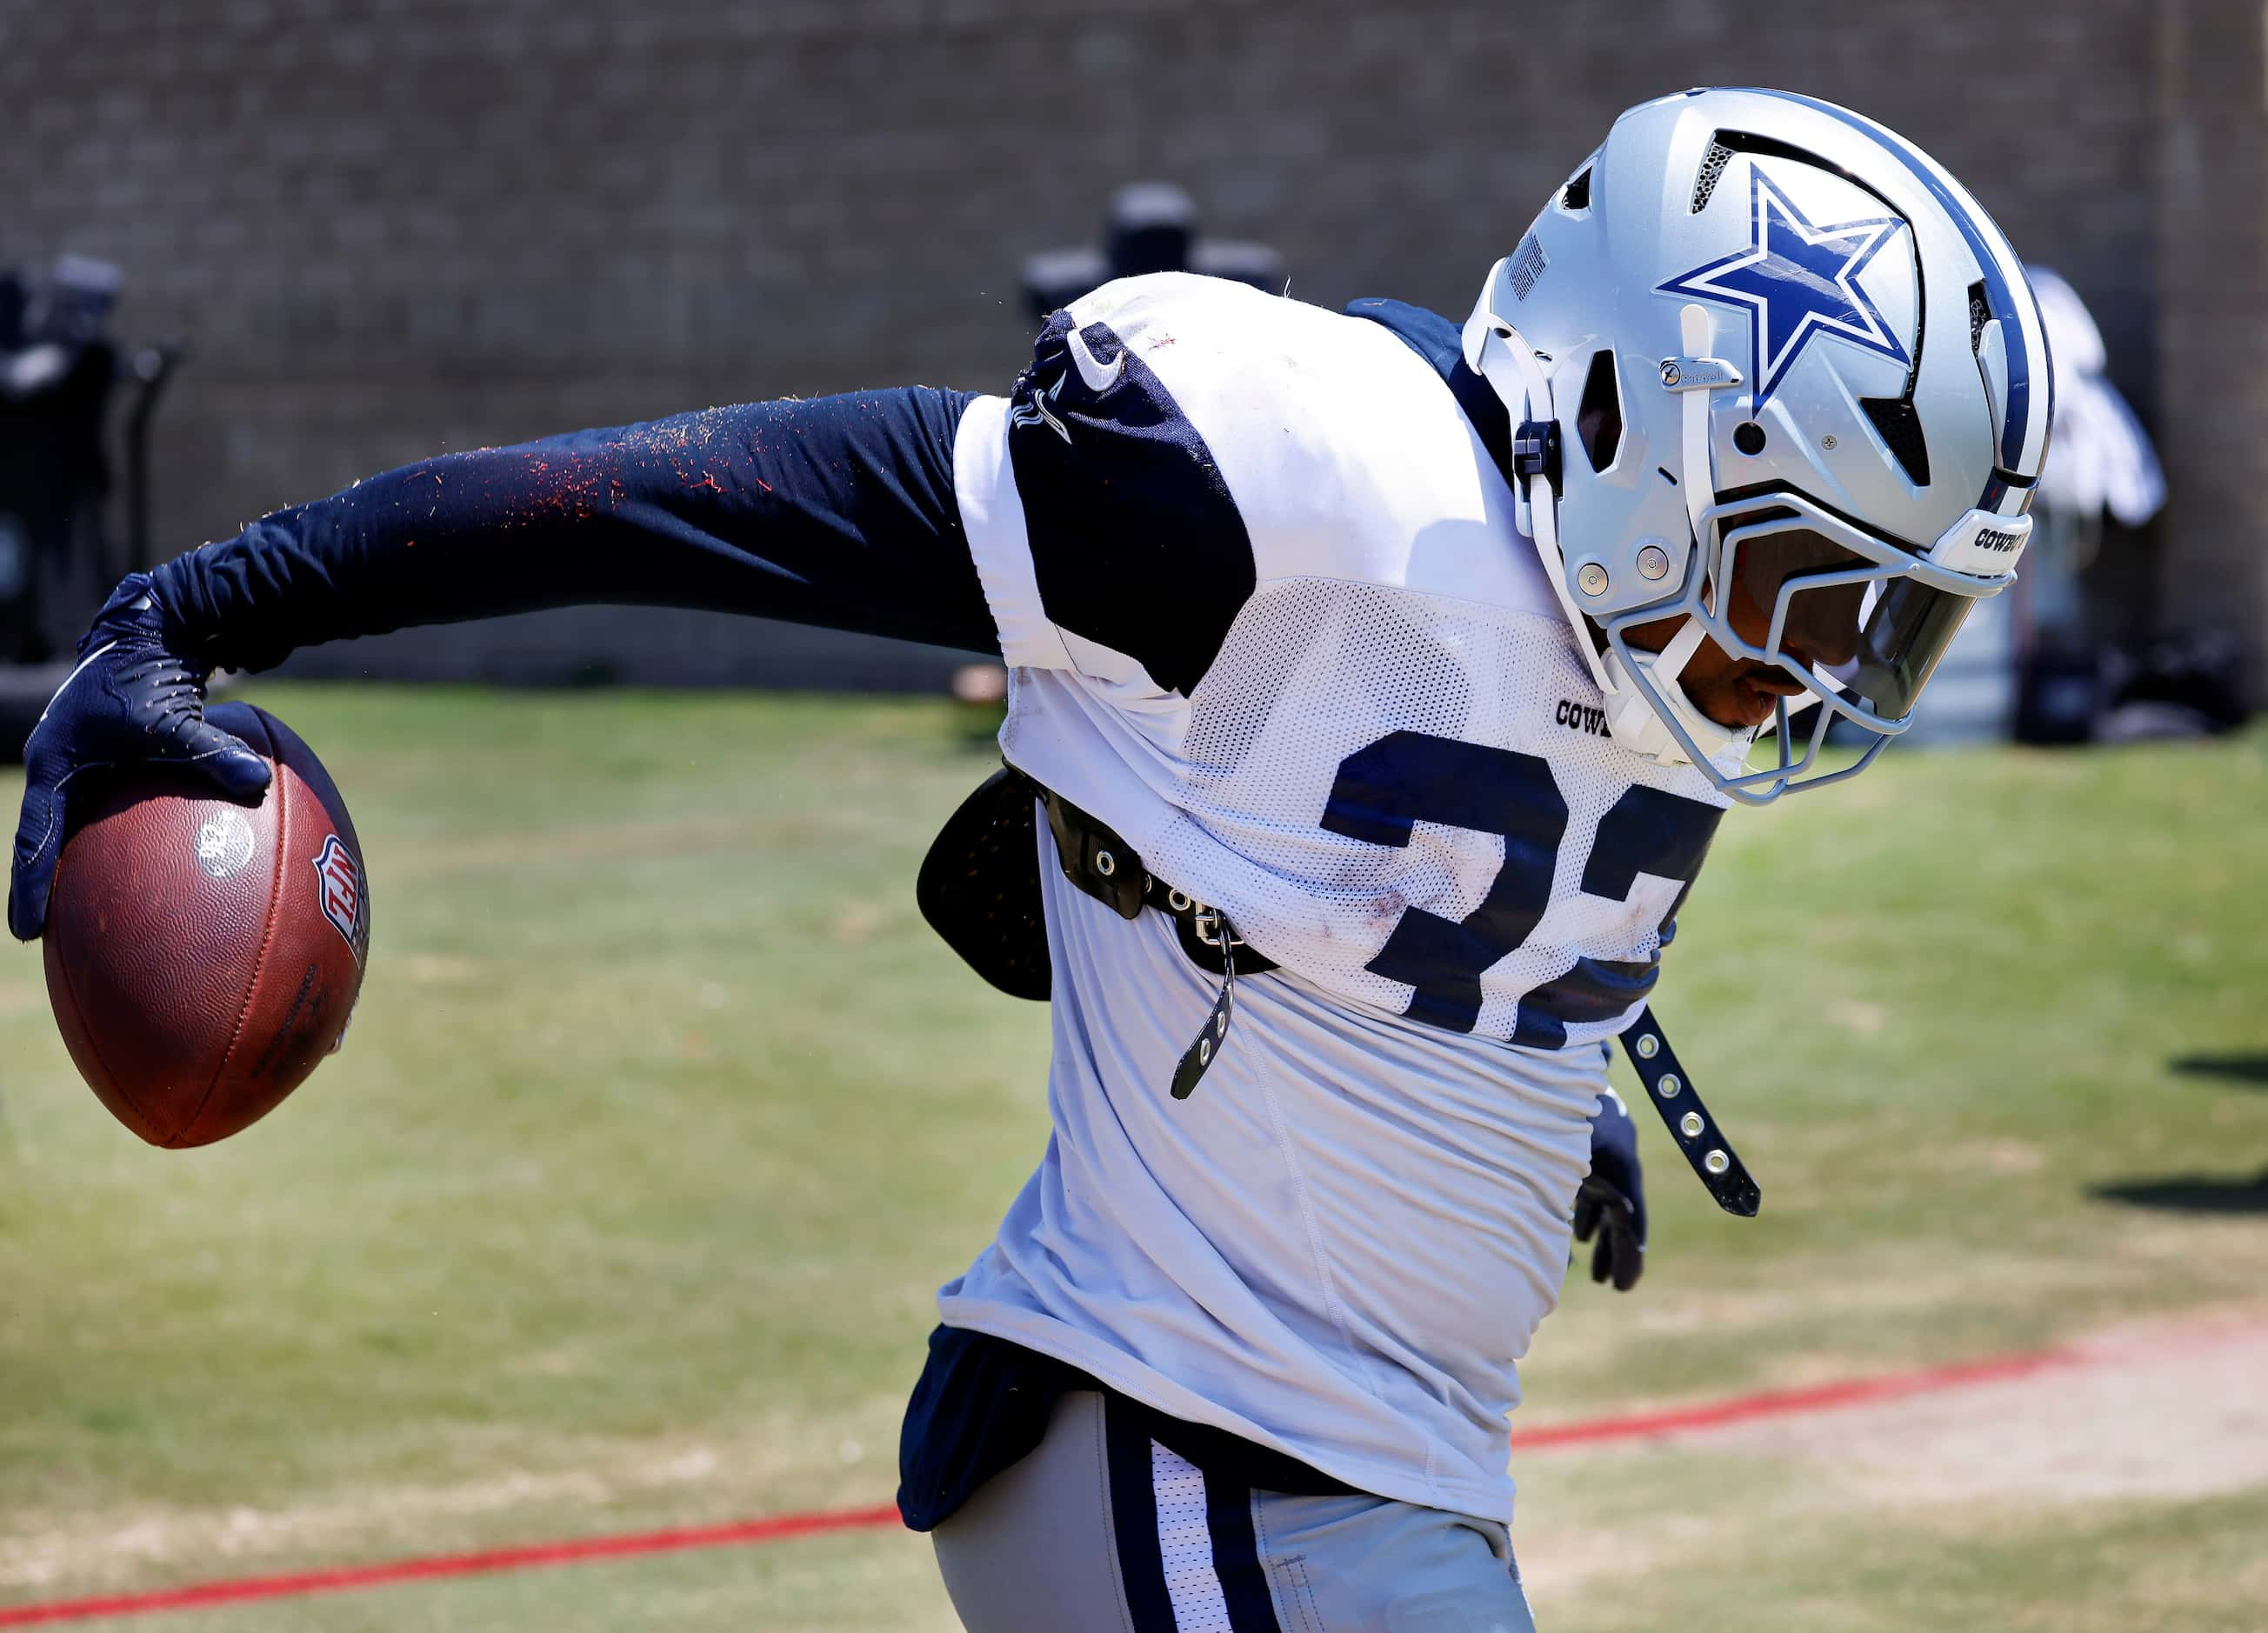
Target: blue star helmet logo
(1797, 281)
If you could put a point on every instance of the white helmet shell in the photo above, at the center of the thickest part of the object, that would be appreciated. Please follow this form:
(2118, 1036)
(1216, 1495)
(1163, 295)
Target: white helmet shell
(1751, 310)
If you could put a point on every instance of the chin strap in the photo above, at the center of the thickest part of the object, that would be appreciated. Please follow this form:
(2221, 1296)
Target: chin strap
(1638, 726)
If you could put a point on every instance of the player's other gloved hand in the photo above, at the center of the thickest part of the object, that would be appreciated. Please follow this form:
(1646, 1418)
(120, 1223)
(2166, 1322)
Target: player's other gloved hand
(1611, 1202)
(135, 698)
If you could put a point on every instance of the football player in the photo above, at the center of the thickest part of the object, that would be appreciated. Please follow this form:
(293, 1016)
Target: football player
(1378, 684)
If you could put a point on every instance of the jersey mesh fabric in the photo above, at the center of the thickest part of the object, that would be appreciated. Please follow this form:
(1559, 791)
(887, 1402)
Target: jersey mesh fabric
(1185, 1545)
(1316, 669)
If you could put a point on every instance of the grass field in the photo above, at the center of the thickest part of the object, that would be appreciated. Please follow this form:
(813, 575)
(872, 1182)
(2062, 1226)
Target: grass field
(664, 1114)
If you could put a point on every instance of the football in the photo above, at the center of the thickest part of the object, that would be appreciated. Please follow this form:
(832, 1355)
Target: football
(202, 957)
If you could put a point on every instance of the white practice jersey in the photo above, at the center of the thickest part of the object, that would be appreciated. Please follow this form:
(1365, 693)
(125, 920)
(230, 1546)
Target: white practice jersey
(1269, 616)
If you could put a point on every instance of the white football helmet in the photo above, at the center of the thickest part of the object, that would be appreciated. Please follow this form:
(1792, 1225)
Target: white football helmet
(1766, 357)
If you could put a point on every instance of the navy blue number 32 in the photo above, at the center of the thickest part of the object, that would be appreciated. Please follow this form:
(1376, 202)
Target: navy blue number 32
(1407, 778)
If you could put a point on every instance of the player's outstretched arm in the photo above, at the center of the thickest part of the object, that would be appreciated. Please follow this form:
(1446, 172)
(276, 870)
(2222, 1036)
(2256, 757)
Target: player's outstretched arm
(835, 511)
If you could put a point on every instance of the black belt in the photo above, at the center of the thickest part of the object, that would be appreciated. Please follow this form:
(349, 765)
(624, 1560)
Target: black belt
(1109, 869)
(980, 888)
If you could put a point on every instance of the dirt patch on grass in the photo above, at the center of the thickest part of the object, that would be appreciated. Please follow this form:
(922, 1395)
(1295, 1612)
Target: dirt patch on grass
(2167, 1411)
(2163, 1412)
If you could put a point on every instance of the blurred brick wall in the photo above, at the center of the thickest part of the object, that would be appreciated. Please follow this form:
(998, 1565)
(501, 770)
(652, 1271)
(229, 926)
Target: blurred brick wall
(2212, 283)
(390, 228)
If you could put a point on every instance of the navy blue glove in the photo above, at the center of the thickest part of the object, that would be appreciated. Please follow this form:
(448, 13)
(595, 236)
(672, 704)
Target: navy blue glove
(133, 699)
(1611, 1202)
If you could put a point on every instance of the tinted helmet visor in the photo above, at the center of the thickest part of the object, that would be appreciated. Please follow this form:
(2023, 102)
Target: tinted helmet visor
(1879, 633)
(1904, 632)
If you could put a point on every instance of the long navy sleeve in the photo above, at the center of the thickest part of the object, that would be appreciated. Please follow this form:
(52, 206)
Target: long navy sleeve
(834, 510)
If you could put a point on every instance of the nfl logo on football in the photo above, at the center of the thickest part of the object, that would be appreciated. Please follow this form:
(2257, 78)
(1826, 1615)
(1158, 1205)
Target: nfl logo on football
(343, 894)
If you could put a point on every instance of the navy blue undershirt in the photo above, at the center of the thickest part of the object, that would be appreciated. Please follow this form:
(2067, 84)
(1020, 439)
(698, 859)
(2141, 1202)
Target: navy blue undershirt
(833, 510)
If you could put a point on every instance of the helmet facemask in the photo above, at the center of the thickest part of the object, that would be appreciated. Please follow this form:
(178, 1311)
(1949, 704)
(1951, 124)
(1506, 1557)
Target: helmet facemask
(1857, 621)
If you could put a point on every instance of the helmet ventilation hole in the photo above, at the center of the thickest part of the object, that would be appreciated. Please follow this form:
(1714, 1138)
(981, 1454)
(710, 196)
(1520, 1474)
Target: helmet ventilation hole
(1979, 314)
(1599, 416)
(1900, 428)
(1713, 166)
(1576, 194)
(1748, 436)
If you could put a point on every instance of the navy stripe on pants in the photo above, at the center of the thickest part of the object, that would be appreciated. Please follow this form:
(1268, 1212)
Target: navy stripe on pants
(1236, 1558)
(1134, 1517)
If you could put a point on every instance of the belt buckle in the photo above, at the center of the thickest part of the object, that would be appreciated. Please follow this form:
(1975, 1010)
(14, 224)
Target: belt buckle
(1214, 929)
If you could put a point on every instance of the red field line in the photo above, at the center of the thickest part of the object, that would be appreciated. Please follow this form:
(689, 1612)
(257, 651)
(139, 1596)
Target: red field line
(343, 1580)
(1744, 1408)
(1588, 1432)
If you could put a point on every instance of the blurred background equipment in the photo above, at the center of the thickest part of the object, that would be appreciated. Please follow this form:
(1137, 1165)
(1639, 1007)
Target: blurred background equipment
(2189, 684)
(2102, 459)
(1152, 226)
(2102, 482)
(60, 552)
(2033, 663)
(412, 229)
(2103, 485)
